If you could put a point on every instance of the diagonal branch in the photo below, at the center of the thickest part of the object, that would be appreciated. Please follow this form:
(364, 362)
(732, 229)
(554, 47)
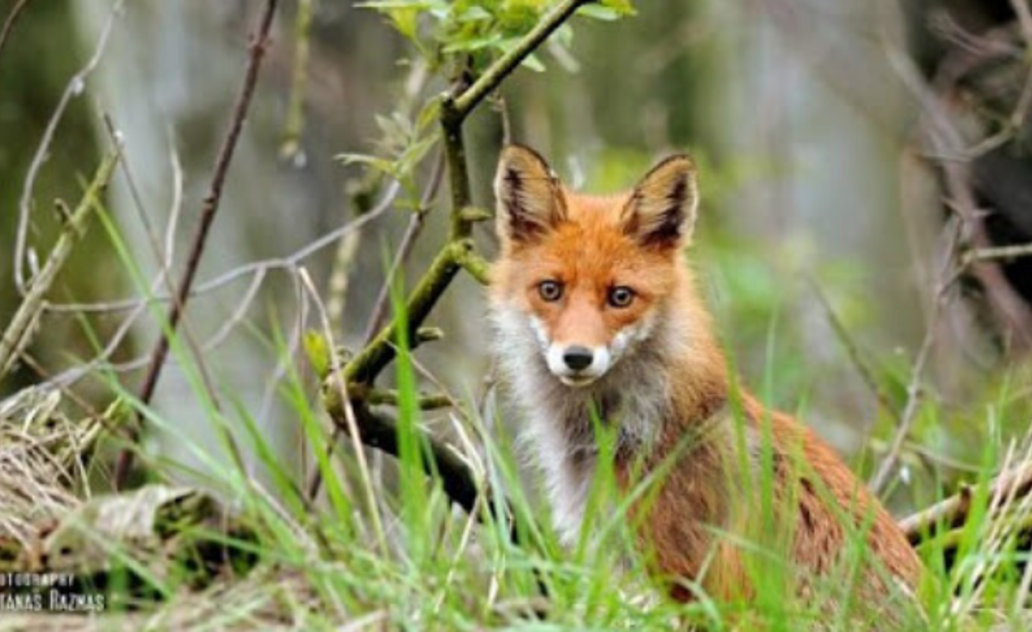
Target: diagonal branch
(368, 364)
(457, 253)
(499, 70)
(259, 44)
(19, 333)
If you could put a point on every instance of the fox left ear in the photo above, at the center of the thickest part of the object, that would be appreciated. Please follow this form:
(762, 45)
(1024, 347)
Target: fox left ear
(530, 197)
(662, 208)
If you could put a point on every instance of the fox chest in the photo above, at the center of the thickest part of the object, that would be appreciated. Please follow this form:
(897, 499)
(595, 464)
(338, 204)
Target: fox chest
(566, 444)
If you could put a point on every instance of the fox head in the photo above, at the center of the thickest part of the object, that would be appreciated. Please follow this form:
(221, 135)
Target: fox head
(589, 276)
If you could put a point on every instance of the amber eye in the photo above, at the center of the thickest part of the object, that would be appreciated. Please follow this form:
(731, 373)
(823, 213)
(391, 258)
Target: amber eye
(621, 296)
(550, 291)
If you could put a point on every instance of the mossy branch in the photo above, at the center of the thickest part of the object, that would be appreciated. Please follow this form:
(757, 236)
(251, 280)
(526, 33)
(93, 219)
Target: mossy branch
(368, 363)
(440, 460)
(380, 397)
(457, 253)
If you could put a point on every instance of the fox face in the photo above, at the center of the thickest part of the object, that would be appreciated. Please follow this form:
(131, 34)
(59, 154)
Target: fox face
(587, 275)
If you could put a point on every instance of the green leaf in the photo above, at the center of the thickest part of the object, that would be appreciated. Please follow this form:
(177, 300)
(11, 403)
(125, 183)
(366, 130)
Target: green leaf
(534, 63)
(414, 154)
(563, 35)
(599, 12)
(474, 14)
(318, 352)
(406, 21)
(387, 5)
(380, 164)
(476, 43)
(428, 115)
(622, 7)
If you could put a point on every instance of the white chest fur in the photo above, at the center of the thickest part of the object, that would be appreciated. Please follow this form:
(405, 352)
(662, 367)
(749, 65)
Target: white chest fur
(558, 433)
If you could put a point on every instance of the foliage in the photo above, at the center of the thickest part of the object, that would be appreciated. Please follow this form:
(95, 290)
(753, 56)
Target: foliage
(456, 39)
(447, 31)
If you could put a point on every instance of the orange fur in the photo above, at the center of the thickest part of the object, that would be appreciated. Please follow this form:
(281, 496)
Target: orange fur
(668, 383)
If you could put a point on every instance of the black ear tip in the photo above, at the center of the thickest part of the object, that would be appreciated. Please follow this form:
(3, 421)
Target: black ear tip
(516, 150)
(679, 159)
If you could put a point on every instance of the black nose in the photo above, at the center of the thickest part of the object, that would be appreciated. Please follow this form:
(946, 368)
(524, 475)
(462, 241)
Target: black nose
(577, 358)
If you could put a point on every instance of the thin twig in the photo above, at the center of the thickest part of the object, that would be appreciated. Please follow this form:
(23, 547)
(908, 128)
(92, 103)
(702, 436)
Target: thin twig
(74, 88)
(209, 209)
(254, 268)
(12, 18)
(336, 387)
(416, 81)
(260, 271)
(998, 253)
(914, 389)
(153, 238)
(380, 432)
(854, 352)
(163, 258)
(295, 124)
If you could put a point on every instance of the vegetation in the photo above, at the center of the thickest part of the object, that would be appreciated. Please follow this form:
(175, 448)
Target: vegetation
(399, 515)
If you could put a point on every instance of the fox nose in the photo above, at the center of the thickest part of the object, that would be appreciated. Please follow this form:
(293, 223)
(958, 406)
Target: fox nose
(578, 358)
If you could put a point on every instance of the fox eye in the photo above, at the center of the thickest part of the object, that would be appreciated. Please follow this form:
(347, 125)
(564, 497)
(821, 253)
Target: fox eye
(621, 296)
(550, 291)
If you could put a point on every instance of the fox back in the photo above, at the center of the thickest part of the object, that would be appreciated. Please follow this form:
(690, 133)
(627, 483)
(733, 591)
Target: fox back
(596, 312)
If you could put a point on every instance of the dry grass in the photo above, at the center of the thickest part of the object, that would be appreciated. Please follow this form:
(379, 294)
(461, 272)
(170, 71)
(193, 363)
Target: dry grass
(40, 462)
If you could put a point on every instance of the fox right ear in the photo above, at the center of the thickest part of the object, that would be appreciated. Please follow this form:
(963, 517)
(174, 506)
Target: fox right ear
(661, 210)
(530, 196)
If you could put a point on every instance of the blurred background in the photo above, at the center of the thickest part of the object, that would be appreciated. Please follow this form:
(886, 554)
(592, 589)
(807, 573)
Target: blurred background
(839, 140)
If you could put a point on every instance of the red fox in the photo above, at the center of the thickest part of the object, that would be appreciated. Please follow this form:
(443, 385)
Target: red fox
(594, 306)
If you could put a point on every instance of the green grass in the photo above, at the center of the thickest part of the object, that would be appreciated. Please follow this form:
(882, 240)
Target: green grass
(383, 548)
(394, 553)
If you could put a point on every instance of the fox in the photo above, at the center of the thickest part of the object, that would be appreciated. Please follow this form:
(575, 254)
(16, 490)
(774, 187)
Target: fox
(597, 312)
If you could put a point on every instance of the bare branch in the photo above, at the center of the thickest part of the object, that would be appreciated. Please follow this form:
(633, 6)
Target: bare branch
(12, 18)
(914, 389)
(74, 88)
(253, 269)
(997, 252)
(208, 211)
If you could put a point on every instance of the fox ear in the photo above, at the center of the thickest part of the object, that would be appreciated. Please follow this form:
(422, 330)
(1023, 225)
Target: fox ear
(661, 211)
(530, 197)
